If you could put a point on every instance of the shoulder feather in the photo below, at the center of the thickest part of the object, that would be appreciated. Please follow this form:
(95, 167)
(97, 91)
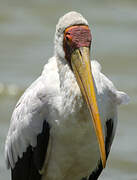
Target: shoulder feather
(28, 116)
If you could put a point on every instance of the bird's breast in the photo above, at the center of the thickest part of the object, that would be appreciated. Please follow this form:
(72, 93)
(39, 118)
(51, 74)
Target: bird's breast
(74, 152)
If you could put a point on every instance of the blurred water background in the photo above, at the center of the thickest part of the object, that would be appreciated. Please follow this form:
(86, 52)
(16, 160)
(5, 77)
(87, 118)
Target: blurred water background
(26, 42)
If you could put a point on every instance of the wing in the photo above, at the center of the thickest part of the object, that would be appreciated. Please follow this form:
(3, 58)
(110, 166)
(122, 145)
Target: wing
(110, 98)
(29, 131)
(28, 167)
(108, 141)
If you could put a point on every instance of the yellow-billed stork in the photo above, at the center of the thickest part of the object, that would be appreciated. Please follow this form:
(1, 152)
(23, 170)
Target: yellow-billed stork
(63, 126)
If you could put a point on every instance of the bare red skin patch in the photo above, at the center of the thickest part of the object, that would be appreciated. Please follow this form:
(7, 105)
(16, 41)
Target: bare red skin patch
(76, 37)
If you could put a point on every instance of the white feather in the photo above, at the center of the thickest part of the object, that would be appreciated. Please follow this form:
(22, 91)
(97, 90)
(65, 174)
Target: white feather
(29, 114)
(42, 100)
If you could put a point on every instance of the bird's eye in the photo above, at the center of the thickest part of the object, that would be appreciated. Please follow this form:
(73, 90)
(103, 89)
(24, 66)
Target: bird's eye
(68, 38)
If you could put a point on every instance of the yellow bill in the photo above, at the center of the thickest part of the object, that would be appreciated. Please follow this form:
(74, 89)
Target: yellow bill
(80, 62)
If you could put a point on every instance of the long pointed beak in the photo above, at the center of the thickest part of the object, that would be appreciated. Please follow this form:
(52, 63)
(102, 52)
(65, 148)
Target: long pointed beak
(80, 62)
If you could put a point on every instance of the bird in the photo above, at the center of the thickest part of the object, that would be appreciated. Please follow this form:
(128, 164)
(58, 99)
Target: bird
(63, 126)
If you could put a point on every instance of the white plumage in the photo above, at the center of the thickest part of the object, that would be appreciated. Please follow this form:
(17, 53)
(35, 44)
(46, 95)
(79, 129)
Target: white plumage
(55, 96)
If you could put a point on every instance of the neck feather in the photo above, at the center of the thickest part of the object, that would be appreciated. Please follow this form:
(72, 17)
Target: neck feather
(71, 95)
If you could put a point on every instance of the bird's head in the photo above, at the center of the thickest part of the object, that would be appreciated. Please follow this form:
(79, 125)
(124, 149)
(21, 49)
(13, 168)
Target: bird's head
(72, 45)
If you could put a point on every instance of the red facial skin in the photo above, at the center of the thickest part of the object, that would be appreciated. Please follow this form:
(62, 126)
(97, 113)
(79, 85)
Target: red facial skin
(74, 38)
